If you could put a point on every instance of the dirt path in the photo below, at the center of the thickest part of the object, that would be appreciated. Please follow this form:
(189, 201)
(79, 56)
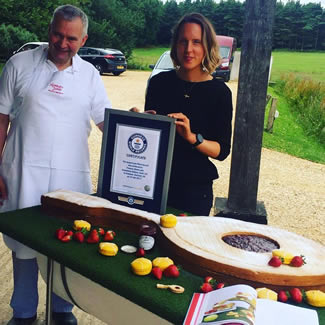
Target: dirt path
(292, 189)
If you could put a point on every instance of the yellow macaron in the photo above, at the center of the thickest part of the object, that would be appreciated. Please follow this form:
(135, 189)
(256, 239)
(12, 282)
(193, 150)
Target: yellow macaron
(168, 220)
(266, 293)
(141, 266)
(108, 249)
(162, 262)
(315, 298)
(80, 224)
(285, 256)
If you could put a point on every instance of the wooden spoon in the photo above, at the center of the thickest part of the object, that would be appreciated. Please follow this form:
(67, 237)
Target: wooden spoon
(172, 287)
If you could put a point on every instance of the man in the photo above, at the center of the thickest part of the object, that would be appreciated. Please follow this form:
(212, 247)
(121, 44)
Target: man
(49, 95)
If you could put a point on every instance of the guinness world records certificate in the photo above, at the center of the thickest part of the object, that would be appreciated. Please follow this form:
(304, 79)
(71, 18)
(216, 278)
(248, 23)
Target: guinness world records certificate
(135, 161)
(136, 158)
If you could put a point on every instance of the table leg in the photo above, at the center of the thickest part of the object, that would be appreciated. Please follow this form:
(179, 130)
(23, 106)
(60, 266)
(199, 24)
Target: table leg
(49, 288)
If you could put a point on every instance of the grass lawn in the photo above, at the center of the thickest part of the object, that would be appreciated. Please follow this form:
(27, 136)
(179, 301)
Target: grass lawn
(288, 136)
(304, 64)
(143, 57)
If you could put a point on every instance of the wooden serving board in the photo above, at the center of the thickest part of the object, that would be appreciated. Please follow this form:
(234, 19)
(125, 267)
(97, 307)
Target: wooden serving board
(196, 242)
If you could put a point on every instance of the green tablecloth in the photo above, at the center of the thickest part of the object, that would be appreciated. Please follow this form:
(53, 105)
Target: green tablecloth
(34, 228)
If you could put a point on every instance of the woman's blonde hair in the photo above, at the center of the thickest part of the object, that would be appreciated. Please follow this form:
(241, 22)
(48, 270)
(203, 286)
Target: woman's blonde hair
(209, 41)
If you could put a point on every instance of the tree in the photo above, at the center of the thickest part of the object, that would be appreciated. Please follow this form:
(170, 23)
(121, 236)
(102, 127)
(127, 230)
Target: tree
(312, 17)
(204, 7)
(171, 14)
(124, 24)
(120, 20)
(152, 11)
(288, 24)
(32, 15)
(228, 19)
(6, 11)
(12, 38)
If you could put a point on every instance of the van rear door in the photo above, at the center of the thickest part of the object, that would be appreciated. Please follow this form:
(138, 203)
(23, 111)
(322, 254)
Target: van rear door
(227, 47)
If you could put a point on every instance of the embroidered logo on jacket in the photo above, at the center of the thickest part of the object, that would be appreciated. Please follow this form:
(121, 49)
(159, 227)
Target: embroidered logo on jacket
(55, 88)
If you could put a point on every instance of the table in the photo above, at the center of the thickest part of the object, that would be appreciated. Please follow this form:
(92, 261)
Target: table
(34, 228)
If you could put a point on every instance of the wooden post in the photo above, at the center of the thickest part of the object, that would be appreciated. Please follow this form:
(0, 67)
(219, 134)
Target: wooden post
(271, 117)
(249, 123)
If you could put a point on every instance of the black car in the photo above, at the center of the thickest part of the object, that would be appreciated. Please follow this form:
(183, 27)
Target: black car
(104, 60)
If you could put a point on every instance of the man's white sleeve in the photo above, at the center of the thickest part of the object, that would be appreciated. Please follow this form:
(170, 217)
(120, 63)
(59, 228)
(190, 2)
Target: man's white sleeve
(7, 88)
(100, 101)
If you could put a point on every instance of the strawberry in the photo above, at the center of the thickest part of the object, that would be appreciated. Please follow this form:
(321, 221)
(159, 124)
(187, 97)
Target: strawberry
(69, 233)
(275, 261)
(59, 233)
(296, 295)
(101, 231)
(209, 279)
(157, 272)
(171, 271)
(282, 296)
(182, 215)
(220, 285)
(93, 237)
(79, 236)
(140, 252)
(110, 234)
(298, 261)
(206, 287)
(66, 238)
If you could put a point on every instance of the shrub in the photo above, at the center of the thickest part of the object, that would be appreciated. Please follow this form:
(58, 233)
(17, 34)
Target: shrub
(135, 65)
(307, 99)
(12, 38)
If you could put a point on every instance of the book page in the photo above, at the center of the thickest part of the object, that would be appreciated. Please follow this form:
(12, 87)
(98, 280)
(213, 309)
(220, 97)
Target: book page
(270, 312)
(233, 305)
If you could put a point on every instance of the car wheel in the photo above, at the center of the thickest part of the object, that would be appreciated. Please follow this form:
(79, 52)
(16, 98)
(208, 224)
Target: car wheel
(99, 68)
(116, 73)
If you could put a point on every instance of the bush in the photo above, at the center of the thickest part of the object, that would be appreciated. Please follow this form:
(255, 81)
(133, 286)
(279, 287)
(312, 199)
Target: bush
(135, 65)
(12, 38)
(307, 99)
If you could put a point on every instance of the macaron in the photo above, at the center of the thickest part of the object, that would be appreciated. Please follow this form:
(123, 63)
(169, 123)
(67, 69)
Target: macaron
(80, 224)
(168, 220)
(108, 249)
(141, 266)
(315, 298)
(162, 262)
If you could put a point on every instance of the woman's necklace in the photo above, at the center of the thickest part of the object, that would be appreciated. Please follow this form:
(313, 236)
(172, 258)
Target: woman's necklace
(188, 90)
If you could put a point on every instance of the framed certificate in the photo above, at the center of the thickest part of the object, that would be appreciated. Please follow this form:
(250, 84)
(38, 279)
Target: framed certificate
(136, 158)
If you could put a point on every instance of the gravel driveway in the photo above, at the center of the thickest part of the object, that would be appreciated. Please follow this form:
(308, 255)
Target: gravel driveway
(293, 190)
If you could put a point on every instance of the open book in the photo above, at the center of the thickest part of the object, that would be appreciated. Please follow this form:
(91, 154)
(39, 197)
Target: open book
(238, 305)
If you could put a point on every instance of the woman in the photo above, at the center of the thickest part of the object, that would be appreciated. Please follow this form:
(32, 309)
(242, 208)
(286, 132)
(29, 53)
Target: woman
(202, 107)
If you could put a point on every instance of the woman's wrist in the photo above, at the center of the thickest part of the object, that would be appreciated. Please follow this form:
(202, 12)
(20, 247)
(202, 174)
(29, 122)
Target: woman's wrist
(192, 138)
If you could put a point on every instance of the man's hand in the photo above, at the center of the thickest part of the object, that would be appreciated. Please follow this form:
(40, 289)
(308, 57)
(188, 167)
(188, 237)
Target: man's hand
(3, 191)
(134, 109)
(100, 125)
(137, 110)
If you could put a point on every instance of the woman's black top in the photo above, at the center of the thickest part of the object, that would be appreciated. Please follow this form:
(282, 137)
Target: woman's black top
(209, 109)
